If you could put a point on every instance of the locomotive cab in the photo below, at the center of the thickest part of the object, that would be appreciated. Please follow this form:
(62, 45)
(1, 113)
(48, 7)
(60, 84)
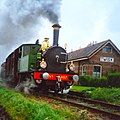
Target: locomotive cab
(27, 58)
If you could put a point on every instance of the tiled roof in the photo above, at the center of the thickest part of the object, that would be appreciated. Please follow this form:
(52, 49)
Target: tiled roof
(89, 50)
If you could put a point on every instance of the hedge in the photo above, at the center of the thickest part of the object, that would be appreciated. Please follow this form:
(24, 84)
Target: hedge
(112, 80)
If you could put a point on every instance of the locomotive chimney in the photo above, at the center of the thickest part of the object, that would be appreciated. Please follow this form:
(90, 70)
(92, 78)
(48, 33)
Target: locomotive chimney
(56, 28)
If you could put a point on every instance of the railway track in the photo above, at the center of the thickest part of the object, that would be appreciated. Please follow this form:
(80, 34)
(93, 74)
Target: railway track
(110, 110)
(78, 95)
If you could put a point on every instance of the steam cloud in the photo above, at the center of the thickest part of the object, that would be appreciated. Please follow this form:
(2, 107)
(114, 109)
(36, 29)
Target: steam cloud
(20, 19)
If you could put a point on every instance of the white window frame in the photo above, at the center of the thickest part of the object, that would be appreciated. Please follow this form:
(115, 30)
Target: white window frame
(84, 72)
(97, 74)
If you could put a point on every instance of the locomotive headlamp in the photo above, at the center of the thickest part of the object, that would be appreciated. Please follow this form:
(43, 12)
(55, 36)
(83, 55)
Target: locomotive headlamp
(75, 78)
(72, 66)
(43, 64)
(46, 75)
(67, 70)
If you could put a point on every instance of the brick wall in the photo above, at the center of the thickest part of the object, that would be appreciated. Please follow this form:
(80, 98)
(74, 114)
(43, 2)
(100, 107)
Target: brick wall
(106, 67)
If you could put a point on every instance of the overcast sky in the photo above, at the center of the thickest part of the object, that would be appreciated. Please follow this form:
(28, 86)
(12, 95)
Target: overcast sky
(82, 21)
(85, 21)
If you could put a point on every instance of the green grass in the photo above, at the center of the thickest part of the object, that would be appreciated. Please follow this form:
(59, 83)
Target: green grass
(81, 88)
(22, 108)
(111, 95)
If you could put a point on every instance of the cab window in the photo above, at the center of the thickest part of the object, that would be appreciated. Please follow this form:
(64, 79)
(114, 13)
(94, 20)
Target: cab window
(26, 50)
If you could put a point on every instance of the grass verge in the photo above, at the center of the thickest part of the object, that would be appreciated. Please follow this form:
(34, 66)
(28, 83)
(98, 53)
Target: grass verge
(111, 95)
(20, 108)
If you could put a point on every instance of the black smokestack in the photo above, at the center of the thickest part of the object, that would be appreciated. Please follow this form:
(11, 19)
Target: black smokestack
(56, 28)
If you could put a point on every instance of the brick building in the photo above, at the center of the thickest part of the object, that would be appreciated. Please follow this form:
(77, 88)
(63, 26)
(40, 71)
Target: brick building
(96, 60)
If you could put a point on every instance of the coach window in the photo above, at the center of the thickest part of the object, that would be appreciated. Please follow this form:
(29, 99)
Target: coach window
(84, 70)
(97, 69)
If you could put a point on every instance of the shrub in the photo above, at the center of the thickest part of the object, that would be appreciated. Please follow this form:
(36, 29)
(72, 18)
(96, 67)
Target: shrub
(91, 81)
(85, 80)
(114, 79)
(100, 82)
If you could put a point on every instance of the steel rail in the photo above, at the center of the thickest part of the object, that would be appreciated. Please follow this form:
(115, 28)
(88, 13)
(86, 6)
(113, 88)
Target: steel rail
(112, 115)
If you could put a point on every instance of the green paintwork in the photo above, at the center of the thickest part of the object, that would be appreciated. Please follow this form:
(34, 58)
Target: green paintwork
(28, 61)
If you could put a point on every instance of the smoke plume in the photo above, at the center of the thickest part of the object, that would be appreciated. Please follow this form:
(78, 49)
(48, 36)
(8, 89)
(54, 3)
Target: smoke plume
(20, 19)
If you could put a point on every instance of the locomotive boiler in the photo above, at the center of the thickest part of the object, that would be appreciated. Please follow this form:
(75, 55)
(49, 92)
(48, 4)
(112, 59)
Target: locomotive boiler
(40, 66)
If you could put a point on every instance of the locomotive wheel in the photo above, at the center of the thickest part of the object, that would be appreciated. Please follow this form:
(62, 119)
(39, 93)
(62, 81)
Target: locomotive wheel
(43, 87)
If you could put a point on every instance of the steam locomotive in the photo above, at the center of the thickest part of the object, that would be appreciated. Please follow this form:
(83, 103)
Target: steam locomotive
(42, 67)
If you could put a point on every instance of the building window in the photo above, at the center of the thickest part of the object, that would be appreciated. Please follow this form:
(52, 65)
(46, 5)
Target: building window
(97, 71)
(107, 49)
(84, 70)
